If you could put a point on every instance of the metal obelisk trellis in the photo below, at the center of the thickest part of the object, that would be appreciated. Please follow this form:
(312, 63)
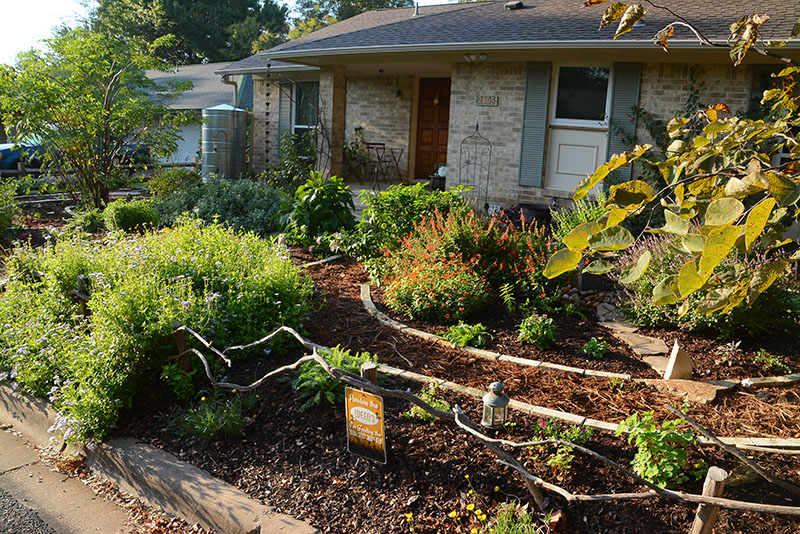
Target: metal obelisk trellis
(473, 167)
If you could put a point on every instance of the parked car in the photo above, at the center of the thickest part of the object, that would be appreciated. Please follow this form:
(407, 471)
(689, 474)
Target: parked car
(11, 154)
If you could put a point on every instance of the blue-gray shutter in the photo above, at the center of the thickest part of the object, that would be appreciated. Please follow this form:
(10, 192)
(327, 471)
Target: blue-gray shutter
(284, 111)
(625, 95)
(534, 123)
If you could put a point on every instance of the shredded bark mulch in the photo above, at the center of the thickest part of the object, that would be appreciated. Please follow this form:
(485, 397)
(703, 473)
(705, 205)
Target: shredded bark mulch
(297, 461)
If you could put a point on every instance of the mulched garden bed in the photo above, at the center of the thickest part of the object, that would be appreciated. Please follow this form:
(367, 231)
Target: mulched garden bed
(297, 461)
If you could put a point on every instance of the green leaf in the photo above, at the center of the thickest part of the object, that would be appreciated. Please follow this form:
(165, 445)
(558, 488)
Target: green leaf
(757, 221)
(764, 277)
(666, 292)
(783, 188)
(632, 15)
(616, 161)
(578, 238)
(611, 239)
(723, 211)
(715, 300)
(689, 280)
(599, 267)
(562, 261)
(631, 195)
(719, 243)
(674, 224)
(635, 271)
(615, 216)
(717, 127)
(700, 141)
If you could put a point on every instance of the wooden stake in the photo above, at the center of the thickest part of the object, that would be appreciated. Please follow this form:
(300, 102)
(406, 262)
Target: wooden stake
(706, 514)
(369, 371)
(183, 347)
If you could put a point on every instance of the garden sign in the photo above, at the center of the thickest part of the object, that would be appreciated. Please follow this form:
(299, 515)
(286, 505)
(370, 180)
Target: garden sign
(365, 433)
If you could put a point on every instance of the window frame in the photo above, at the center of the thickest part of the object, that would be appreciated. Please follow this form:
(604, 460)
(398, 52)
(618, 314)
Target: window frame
(580, 123)
(302, 128)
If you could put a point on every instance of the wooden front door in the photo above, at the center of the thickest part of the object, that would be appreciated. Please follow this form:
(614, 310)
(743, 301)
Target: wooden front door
(432, 125)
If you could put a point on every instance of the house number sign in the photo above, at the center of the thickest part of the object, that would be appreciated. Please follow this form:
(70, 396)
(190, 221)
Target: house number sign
(365, 432)
(487, 100)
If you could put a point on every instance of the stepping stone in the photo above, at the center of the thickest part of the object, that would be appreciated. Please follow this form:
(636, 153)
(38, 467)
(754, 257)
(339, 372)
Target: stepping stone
(619, 326)
(658, 363)
(679, 364)
(607, 312)
(643, 345)
(703, 392)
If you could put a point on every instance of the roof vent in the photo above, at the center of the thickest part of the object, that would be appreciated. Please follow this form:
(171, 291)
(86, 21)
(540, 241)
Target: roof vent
(416, 9)
(511, 6)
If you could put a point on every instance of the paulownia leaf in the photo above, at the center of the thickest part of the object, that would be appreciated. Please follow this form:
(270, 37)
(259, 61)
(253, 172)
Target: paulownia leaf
(599, 267)
(757, 221)
(616, 161)
(717, 126)
(764, 277)
(631, 195)
(723, 211)
(630, 274)
(632, 15)
(689, 280)
(611, 239)
(578, 238)
(719, 243)
(700, 141)
(712, 113)
(715, 300)
(590, 3)
(744, 35)
(562, 261)
(674, 224)
(750, 185)
(666, 292)
(612, 13)
(782, 188)
(615, 216)
(662, 37)
(675, 125)
(694, 243)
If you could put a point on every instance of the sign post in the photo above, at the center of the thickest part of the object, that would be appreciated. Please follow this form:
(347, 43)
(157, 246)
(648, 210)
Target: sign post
(365, 431)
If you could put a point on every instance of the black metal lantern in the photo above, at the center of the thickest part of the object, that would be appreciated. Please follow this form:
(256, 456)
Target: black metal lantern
(495, 407)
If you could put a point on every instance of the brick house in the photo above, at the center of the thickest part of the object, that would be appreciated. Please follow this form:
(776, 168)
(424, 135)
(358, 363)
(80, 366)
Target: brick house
(549, 91)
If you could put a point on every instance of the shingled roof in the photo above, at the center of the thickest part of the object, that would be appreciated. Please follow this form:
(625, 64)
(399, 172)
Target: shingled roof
(539, 24)
(258, 64)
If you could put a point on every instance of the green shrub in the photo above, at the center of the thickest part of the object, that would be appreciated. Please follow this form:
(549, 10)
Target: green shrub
(171, 181)
(135, 215)
(539, 330)
(298, 160)
(229, 287)
(661, 456)
(216, 417)
(597, 348)
(581, 211)
(178, 380)
(316, 386)
(321, 207)
(428, 395)
(8, 207)
(89, 220)
(466, 334)
(238, 204)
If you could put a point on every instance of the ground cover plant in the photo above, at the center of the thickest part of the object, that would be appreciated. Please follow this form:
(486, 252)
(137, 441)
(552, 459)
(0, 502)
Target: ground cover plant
(228, 285)
(8, 207)
(238, 204)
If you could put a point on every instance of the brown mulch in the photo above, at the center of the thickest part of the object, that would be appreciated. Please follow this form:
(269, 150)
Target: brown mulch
(297, 461)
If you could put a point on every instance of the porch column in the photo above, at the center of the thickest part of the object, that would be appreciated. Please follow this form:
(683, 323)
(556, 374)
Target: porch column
(330, 140)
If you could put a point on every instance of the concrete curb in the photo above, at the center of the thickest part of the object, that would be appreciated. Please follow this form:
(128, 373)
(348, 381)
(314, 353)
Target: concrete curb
(366, 300)
(157, 477)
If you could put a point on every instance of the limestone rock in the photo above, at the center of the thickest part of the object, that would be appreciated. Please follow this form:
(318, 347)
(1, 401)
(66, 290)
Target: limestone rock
(694, 391)
(679, 365)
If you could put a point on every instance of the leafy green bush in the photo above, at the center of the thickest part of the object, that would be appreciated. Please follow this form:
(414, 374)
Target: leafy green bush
(8, 207)
(512, 518)
(135, 215)
(298, 160)
(539, 330)
(661, 456)
(581, 211)
(466, 334)
(217, 417)
(89, 220)
(315, 385)
(597, 348)
(320, 208)
(229, 287)
(429, 395)
(238, 204)
(179, 381)
(171, 181)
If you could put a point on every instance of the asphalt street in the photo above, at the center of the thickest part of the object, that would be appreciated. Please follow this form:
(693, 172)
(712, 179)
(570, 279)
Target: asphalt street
(15, 518)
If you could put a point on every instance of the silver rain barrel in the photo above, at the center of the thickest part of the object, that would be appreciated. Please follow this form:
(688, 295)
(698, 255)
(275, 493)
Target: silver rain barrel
(224, 142)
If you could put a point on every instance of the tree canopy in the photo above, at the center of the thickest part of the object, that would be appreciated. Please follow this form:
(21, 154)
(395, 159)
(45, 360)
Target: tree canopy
(87, 100)
(316, 14)
(730, 191)
(194, 31)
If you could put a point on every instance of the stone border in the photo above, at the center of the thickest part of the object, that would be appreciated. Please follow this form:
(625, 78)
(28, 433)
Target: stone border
(778, 443)
(382, 318)
(320, 262)
(157, 477)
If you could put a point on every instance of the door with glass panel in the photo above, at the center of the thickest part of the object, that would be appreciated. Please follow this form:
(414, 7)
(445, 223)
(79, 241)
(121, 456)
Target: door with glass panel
(578, 130)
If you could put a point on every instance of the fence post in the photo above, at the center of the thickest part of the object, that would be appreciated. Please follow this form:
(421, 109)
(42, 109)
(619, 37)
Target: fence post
(183, 346)
(706, 514)
(369, 371)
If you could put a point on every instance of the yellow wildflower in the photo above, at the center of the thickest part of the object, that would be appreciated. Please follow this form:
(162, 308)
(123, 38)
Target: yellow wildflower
(471, 506)
(496, 489)
(452, 514)
(409, 517)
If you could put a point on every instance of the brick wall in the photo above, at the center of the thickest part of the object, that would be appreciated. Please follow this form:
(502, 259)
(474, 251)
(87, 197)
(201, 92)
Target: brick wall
(264, 128)
(664, 89)
(381, 105)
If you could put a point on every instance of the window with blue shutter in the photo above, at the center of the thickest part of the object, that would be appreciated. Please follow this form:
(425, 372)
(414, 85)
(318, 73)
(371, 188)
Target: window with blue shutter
(625, 95)
(534, 123)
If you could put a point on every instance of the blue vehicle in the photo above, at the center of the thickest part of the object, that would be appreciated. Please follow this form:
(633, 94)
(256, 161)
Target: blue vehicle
(11, 154)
